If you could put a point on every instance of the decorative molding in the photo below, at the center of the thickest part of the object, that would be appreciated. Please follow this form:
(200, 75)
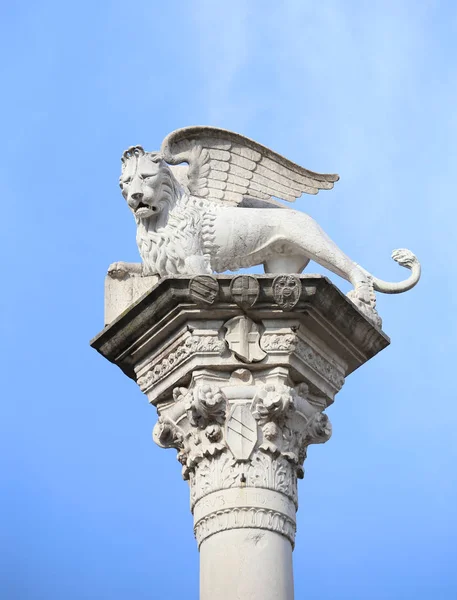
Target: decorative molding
(191, 345)
(278, 341)
(291, 343)
(261, 471)
(245, 517)
(320, 364)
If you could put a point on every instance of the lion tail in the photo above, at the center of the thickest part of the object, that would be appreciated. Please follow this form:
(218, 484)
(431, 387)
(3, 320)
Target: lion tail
(407, 259)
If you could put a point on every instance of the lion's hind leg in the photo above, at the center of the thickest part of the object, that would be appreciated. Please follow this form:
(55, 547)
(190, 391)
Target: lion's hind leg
(282, 263)
(306, 236)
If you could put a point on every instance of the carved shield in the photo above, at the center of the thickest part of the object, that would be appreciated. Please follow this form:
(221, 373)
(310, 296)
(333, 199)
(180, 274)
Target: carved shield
(204, 289)
(243, 339)
(245, 290)
(286, 291)
(241, 432)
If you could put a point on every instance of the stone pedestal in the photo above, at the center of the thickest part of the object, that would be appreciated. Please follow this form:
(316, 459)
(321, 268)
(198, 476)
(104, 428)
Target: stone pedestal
(241, 370)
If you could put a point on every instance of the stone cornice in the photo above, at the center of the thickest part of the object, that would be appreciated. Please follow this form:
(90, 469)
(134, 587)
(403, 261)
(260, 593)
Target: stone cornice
(173, 301)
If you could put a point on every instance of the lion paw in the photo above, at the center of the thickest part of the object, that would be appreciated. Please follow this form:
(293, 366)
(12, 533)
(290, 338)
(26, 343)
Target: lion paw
(367, 308)
(364, 298)
(118, 270)
(363, 293)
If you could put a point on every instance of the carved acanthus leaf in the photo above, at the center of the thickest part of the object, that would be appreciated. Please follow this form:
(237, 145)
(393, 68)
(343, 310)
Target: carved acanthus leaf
(261, 471)
(242, 517)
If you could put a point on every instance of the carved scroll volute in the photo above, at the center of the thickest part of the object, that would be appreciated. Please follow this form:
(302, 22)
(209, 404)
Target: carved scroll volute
(319, 429)
(167, 434)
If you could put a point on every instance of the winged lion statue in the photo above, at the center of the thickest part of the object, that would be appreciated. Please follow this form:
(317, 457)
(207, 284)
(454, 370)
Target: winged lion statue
(216, 214)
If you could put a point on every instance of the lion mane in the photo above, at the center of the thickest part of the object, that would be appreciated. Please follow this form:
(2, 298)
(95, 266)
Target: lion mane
(165, 244)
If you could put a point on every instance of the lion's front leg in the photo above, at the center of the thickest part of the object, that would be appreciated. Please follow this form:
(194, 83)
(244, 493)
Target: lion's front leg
(119, 270)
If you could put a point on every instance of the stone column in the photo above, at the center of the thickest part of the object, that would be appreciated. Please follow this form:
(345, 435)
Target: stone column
(241, 370)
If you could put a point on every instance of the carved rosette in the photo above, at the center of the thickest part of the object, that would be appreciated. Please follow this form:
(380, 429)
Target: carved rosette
(248, 431)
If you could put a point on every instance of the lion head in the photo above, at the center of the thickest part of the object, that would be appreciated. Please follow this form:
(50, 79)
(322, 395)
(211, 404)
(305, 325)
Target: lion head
(146, 182)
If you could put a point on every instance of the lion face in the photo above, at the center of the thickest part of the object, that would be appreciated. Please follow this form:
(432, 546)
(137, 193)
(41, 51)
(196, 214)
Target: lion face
(144, 181)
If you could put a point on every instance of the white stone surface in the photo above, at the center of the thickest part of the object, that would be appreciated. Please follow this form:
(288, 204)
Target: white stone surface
(246, 564)
(242, 439)
(122, 291)
(241, 370)
(197, 228)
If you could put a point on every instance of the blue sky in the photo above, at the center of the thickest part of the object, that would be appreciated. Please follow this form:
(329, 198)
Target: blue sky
(90, 508)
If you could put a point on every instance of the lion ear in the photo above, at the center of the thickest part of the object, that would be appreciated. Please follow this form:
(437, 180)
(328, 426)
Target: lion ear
(180, 174)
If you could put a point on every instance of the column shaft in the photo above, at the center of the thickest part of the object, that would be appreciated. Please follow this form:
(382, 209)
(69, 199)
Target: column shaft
(246, 564)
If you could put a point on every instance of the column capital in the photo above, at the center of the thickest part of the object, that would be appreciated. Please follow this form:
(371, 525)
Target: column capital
(241, 375)
(247, 432)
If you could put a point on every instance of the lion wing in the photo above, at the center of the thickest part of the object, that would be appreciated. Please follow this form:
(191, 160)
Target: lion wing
(228, 167)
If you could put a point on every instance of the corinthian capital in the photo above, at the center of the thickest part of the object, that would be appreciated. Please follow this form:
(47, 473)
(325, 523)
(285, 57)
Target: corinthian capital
(245, 430)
